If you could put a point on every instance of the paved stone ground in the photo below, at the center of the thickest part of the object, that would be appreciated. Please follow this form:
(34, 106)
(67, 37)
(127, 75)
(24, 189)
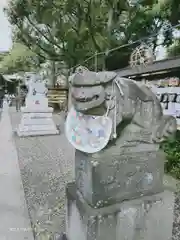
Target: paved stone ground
(46, 165)
(14, 216)
(0, 113)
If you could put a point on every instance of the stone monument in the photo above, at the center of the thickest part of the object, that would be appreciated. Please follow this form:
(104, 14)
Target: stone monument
(118, 191)
(36, 115)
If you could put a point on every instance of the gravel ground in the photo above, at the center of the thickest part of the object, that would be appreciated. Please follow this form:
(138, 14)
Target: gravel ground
(46, 165)
(176, 224)
(0, 113)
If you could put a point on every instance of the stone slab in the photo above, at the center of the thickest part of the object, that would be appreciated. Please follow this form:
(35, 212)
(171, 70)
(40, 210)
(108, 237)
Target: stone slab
(146, 218)
(36, 110)
(37, 128)
(33, 100)
(36, 133)
(36, 115)
(14, 217)
(36, 121)
(109, 178)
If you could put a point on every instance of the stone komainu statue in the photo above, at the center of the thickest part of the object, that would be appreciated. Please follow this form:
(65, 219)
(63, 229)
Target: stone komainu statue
(134, 108)
(131, 165)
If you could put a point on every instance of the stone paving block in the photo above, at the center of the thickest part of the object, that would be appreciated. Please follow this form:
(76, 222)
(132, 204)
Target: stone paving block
(14, 216)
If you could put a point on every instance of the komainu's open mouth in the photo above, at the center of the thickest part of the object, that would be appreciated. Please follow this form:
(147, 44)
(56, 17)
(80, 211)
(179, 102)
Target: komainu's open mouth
(85, 98)
(84, 104)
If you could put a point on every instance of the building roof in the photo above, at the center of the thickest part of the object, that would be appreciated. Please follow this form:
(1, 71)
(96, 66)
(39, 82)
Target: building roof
(11, 78)
(157, 66)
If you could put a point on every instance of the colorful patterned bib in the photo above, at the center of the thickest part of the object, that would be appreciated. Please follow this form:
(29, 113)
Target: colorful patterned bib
(87, 133)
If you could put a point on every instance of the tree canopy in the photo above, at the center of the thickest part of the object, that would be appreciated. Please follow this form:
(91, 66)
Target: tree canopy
(19, 58)
(74, 30)
(174, 49)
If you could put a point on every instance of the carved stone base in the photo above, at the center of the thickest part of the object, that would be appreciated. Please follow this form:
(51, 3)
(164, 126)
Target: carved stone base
(147, 218)
(36, 110)
(107, 179)
(37, 124)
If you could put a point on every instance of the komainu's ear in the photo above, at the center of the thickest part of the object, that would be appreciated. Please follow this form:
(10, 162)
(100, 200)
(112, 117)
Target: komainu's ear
(106, 76)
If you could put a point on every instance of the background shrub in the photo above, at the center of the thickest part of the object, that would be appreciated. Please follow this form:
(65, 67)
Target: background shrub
(172, 149)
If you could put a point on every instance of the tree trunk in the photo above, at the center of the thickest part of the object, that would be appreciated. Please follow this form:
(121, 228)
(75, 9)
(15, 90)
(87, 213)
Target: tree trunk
(53, 73)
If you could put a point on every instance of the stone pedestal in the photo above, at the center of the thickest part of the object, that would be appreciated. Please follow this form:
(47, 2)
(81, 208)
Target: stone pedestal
(145, 218)
(107, 178)
(118, 192)
(36, 118)
(120, 197)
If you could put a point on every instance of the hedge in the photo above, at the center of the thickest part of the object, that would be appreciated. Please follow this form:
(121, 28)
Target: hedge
(172, 149)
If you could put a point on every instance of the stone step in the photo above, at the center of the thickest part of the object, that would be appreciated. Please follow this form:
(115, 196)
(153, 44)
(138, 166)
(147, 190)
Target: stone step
(36, 115)
(37, 133)
(28, 128)
(36, 110)
(37, 121)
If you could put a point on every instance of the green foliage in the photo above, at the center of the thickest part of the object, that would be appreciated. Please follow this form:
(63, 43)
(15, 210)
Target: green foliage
(174, 49)
(20, 58)
(172, 149)
(2, 55)
(73, 30)
(171, 9)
